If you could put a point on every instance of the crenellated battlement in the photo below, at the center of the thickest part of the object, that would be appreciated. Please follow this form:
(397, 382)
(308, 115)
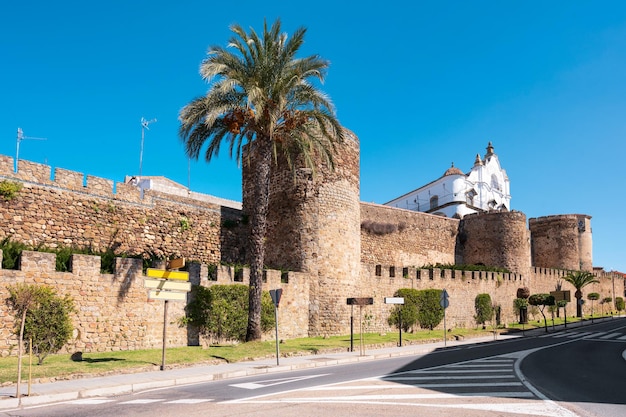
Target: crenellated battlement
(40, 174)
(113, 311)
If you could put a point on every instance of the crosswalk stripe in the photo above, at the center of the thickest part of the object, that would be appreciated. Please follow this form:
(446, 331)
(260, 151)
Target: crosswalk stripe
(595, 335)
(146, 401)
(610, 335)
(91, 401)
(189, 401)
(456, 371)
(434, 378)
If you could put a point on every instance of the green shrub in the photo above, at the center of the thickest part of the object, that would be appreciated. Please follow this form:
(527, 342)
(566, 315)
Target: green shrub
(483, 308)
(11, 252)
(429, 311)
(409, 309)
(9, 189)
(49, 326)
(47, 318)
(221, 311)
(619, 303)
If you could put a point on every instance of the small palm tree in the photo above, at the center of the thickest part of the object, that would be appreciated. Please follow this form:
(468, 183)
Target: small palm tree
(261, 103)
(579, 280)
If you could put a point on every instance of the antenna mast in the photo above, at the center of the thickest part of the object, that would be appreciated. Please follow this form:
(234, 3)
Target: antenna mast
(144, 126)
(21, 137)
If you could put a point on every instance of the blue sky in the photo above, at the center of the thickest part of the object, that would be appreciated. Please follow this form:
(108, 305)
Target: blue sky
(422, 83)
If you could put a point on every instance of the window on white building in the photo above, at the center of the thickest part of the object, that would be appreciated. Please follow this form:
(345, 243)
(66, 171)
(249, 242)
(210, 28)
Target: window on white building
(495, 184)
(434, 202)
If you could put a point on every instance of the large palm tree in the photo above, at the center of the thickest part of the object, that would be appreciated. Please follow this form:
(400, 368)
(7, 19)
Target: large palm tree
(262, 104)
(579, 280)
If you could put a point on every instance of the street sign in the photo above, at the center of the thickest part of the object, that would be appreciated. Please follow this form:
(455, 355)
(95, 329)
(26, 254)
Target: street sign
(176, 263)
(444, 301)
(163, 284)
(394, 300)
(363, 301)
(162, 273)
(167, 295)
(276, 294)
(561, 295)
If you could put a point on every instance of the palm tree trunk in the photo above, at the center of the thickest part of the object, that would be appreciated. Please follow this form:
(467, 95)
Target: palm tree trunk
(258, 229)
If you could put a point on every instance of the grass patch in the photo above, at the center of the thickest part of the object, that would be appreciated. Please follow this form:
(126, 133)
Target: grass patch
(101, 363)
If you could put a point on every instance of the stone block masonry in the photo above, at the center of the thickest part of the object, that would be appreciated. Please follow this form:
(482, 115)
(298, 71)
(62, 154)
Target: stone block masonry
(113, 311)
(70, 212)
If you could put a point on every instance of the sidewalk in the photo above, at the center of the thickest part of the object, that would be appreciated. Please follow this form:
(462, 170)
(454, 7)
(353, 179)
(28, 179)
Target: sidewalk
(128, 383)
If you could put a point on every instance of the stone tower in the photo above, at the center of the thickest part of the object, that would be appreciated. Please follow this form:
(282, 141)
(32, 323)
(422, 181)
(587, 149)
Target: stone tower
(314, 227)
(562, 242)
(495, 239)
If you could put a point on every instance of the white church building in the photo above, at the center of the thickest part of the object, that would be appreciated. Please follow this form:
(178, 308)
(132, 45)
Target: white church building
(455, 194)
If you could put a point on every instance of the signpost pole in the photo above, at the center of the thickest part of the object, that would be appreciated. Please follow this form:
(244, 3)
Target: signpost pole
(352, 328)
(400, 326)
(277, 348)
(276, 294)
(445, 336)
(444, 303)
(164, 334)
(361, 349)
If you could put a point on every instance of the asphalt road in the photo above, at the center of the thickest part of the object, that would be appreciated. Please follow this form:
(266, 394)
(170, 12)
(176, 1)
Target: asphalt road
(566, 374)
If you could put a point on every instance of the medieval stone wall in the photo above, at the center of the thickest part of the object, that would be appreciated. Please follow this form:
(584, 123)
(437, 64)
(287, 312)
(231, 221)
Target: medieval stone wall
(562, 241)
(86, 212)
(394, 236)
(113, 311)
(499, 239)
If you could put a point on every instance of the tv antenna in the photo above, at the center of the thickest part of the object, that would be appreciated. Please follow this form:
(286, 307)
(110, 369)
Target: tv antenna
(21, 137)
(144, 125)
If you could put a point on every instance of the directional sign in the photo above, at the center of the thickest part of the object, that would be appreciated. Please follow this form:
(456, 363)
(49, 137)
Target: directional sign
(162, 273)
(362, 301)
(163, 284)
(394, 300)
(276, 294)
(167, 295)
(444, 301)
(176, 263)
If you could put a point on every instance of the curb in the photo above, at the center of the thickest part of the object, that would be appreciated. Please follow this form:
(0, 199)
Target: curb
(34, 400)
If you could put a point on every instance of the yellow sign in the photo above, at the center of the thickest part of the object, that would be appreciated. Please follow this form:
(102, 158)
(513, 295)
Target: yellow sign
(167, 295)
(162, 284)
(162, 273)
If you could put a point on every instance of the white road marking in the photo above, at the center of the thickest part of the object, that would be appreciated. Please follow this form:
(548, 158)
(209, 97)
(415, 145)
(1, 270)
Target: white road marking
(189, 401)
(90, 401)
(272, 382)
(610, 335)
(146, 401)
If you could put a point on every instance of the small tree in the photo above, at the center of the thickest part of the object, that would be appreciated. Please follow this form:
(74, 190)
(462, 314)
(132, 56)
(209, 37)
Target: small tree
(409, 309)
(429, 311)
(563, 304)
(593, 296)
(49, 325)
(606, 300)
(22, 299)
(520, 306)
(541, 301)
(619, 304)
(483, 308)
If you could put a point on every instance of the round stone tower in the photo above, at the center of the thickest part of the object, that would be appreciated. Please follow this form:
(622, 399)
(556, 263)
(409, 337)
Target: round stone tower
(562, 242)
(314, 227)
(498, 239)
